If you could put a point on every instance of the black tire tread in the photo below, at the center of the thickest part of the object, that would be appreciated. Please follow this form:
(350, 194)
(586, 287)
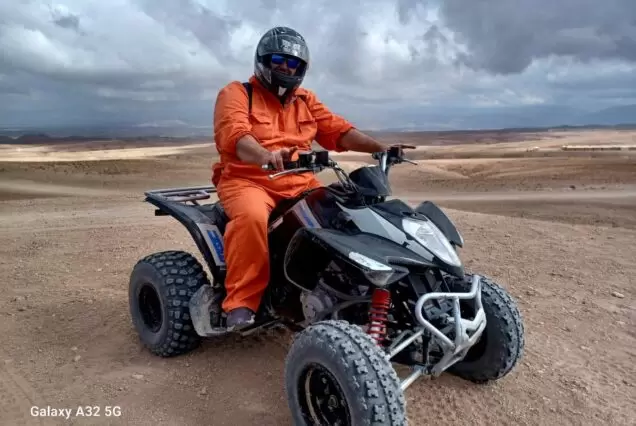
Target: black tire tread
(183, 275)
(503, 314)
(369, 370)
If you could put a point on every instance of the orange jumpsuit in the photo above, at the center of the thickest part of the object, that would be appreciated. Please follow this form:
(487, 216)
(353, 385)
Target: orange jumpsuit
(245, 191)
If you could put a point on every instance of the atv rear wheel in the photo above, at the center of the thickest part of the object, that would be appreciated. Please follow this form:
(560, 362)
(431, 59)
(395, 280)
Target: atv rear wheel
(501, 345)
(160, 288)
(336, 374)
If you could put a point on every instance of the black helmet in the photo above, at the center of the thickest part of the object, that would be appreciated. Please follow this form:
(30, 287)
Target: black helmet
(286, 42)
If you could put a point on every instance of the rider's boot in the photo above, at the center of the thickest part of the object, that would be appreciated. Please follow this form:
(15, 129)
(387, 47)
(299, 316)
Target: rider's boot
(239, 318)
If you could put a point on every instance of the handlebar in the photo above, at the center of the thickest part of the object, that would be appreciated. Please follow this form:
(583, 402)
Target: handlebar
(316, 161)
(308, 161)
(287, 165)
(394, 155)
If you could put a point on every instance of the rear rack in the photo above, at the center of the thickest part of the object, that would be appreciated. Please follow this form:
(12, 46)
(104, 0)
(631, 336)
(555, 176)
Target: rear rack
(182, 194)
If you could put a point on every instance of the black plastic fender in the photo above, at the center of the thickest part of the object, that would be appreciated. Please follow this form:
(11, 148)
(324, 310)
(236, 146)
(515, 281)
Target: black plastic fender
(442, 221)
(206, 233)
(310, 249)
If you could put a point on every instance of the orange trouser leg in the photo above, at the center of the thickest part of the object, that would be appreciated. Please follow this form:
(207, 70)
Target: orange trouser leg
(248, 207)
(246, 253)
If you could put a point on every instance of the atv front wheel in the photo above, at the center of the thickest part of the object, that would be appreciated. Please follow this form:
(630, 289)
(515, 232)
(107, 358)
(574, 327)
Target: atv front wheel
(501, 345)
(160, 288)
(335, 374)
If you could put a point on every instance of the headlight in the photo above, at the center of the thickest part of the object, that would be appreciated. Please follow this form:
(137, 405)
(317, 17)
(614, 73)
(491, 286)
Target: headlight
(368, 262)
(429, 235)
(376, 272)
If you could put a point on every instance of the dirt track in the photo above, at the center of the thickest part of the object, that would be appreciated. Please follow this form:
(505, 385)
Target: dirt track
(72, 232)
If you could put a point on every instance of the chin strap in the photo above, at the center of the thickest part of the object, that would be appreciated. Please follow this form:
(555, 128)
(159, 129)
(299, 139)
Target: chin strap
(282, 95)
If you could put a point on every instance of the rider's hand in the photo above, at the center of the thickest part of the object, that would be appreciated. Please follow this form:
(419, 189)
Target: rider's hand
(397, 150)
(276, 158)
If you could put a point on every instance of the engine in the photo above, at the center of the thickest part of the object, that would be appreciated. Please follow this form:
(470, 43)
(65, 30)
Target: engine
(333, 288)
(315, 302)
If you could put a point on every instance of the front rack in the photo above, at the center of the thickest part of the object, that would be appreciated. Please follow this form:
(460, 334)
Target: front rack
(183, 194)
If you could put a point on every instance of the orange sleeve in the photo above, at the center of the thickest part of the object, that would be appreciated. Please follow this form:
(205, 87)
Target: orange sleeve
(231, 117)
(331, 126)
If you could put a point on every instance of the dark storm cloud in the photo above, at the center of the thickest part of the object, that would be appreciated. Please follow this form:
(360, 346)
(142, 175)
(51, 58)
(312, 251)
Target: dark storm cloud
(381, 62)
(405, 9)
(504, 36)
(68, 21)
(188, 16)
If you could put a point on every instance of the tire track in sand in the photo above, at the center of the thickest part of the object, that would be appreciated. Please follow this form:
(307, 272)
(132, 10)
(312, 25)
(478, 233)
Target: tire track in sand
(16, 396)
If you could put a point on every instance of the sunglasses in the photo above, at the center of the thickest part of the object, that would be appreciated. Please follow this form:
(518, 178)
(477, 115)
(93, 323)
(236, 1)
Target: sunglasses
(291, 62)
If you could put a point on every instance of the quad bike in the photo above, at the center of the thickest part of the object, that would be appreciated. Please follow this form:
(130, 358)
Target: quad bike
(364, 281)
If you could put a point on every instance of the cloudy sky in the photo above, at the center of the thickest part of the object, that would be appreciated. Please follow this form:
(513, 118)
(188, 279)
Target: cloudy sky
(381, 63)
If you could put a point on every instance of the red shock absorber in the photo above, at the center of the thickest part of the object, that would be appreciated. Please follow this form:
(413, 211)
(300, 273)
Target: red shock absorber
(379, 313)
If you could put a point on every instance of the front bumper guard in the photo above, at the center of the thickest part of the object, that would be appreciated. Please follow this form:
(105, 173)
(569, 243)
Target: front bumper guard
(467, 332)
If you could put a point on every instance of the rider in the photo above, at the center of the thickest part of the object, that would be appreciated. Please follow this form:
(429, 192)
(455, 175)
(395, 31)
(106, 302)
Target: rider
(284, 118)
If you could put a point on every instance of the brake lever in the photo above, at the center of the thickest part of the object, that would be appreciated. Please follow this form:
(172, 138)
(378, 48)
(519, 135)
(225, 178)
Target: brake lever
(288, 172)
(409, 161)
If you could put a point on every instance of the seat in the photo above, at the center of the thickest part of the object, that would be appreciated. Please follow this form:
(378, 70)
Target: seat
(217, 214)
(281, 208)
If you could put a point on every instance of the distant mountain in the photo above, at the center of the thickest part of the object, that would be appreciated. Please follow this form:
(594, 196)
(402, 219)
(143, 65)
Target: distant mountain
(143, 132)
(610, 116)
(525, 117)
(430, 118)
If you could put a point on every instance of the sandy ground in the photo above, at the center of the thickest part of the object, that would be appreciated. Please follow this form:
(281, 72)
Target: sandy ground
(557, 229)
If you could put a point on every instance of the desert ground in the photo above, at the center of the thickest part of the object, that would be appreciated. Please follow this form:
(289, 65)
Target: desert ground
(556, 228)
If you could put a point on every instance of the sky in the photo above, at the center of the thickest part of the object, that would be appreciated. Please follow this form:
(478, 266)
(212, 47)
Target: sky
(379, 63)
